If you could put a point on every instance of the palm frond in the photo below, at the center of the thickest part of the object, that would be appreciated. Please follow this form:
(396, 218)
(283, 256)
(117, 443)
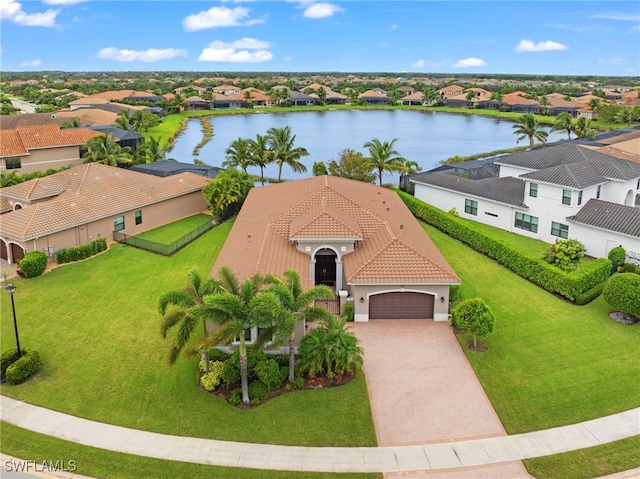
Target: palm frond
(170, 320)
(177, 298)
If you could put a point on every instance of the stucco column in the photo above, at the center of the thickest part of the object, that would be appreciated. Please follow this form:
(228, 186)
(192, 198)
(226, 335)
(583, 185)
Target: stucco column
(338, 274)
(312, 270)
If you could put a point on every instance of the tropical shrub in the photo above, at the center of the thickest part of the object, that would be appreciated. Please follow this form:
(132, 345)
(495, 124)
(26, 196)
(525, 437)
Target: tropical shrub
(8, 357)
(474, 316)
(231, 371)
(77, 253)
(236, 397)
(33, 264)
(530, 267)
(617, 256)
(211, 380)
(565, 254)
(328, 348)
(258, 391)
(218, 355)
(20, 370)
(630, 268)
(226, 193)
(622, 292)
(268, 373)
(349, 309)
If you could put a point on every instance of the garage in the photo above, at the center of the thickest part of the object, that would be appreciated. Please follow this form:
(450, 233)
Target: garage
(401, 306)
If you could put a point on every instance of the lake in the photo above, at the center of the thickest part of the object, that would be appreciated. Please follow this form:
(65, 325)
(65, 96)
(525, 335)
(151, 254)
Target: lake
(426, 137)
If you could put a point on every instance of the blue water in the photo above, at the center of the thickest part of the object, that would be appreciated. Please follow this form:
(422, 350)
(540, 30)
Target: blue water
(425, 137)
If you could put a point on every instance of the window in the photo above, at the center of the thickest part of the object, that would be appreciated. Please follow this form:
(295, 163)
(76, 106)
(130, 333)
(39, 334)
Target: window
(12, 163)
(138, 215)
(638, 185)
(579, 197)
(598, 192)
(566, 197)
(560, 230)
(533, 190)
(118, 223)
(526, 222)
(471, 207)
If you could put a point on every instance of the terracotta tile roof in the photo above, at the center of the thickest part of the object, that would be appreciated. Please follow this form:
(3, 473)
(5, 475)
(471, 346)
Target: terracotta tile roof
(617, 153)
(87, 193)
(394, 248)
(24, 138)
(517, 98)
(90, 116)
(14, 121)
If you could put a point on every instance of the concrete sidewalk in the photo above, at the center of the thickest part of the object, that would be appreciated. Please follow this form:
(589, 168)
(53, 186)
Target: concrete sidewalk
(421, 457)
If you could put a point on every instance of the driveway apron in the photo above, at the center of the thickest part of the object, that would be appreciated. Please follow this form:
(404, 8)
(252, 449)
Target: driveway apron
(423, 390)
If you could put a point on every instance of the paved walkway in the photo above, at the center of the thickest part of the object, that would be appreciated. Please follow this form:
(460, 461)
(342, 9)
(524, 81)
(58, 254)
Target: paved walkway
(424, 457)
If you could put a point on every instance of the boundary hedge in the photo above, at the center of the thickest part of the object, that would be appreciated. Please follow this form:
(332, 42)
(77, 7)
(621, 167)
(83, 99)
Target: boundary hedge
(568, 285)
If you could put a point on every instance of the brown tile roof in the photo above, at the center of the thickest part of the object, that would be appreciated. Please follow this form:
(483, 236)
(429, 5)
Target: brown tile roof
(394, 248)
(19, 141)
(90, 116)
(617, 153)
(517, 98)
(87, 193)
(27, 119)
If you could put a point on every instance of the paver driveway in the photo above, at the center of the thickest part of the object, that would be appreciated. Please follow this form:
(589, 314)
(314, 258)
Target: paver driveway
(422, 390)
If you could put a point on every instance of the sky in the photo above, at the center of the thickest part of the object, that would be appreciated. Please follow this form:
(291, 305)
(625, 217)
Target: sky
(475, 37)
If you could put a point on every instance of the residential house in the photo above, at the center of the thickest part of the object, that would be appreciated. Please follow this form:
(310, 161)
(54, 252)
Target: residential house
(90, 201)
(357, 238)
(226, 90)
(541, 192)
(450, 91)
(373, 97)
(517, 102)
(164, 168)
(42, 147)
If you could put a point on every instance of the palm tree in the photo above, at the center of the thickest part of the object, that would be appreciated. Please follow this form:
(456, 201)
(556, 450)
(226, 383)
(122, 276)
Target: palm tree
(236, 309)
(583, 128)
(410, 167)
(185, 300)
(297, 305)
(238, 154)
(104, 149)
(528, 127)
(623, 116)
(150, 151)
(124, 120)
(383, 157)
(261, 155)
(73, 122)
(281, 144)
(563, 122)
(544, 103)
(594, 104)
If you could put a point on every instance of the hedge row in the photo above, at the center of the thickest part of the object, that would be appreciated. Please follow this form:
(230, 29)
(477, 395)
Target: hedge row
(76, 253)
(19, 370)
(569, 285)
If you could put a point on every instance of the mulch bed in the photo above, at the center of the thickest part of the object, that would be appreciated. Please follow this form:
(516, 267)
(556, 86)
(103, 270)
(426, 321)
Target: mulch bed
(480, 347)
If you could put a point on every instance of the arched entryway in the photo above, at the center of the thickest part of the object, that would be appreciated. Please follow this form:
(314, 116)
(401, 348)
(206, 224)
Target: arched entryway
(630, 199)
(325, 267)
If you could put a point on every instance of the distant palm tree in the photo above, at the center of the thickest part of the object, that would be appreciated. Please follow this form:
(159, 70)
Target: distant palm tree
(261, 155)
(528, 127)
(104, 149)
(124, 120)
(594, 104)
(73, 122)
(281, 143)
(238, 154)
(383, 157)
(150, 151)
(583, 128)
(563, 122)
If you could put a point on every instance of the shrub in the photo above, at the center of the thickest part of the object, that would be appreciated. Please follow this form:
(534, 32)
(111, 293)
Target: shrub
(24, 367)
(33, 264)
(532, 268)
(622, 292)
(565, 254)
(231, 371)
(236, 397)
(218, 355)
(268, 372)
(455, 293)
(349, 309)
(298, 382)
(630, 268)
(211, 379)
(258, 391)
(8, 357)
(617, 256)
(590, 295)
(77, 253)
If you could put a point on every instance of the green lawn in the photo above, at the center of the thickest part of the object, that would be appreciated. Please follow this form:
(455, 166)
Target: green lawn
(169, 233)
(106, 464)
(97, 329)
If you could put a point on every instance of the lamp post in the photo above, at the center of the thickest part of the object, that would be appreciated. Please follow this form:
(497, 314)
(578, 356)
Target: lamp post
(12, 289)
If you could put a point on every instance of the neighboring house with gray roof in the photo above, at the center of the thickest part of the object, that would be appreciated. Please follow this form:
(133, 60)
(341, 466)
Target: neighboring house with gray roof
(542, 192)
(89, 201)
(169, 168)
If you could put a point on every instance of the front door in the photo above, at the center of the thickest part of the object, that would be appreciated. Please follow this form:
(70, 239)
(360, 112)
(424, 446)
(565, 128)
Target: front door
(326, 268)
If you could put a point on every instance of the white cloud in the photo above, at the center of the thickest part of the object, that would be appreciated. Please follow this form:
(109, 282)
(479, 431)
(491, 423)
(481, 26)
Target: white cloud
(611, 61)
(418, 63)
(529, 46)
(394, 27)
(12, 11)
(245, 50)
(30, 64)
(150, 55)
(470, 62)
(219, 17)
(627, 17)
(322, 10)
(62, 2)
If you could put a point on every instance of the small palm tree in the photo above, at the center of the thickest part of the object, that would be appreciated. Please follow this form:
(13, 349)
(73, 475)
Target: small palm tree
(528, 127)
(150, 151)
(583, 128)
(236, 309)
(261, 155)
(563, 122)
(281, 143)
(297, 305)
(104, 149)
(238, 154)
(73, 122)
(124, 120)
(184, 301)
(384, 157)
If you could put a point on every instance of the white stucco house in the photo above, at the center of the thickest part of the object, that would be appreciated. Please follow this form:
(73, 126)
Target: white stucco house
(564, 190)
